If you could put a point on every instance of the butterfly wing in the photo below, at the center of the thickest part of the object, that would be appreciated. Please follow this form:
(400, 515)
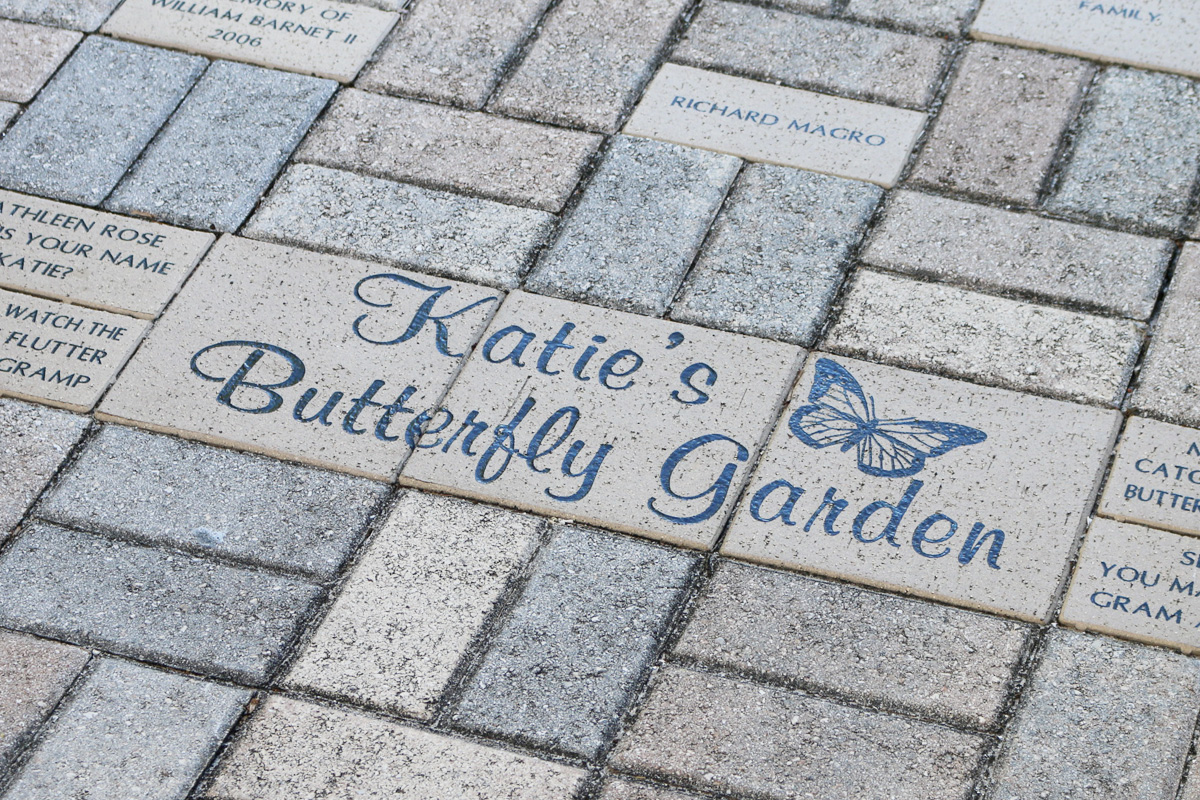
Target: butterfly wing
(899, 447)
(837, 412)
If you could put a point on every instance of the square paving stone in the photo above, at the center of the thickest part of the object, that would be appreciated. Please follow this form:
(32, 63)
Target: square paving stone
(578, 642)
(151, 604)
(417, 599)
(31, 54)
(777, 254)
(640, 425)
(763, 122)
(1000, 125)
(637, 227)
(925, 485)
(1101, 719)
(824, 54)
(158, 731)
(82, 15)
(34, 440)
(93, 118)
(927, 16)
(292, 749)
(992, 340)
(223, 147)
(294, 354)
(998, 250)
(589, 62)
(34, 675)
(1166, 386)
(725, 735)
(326, 39)
(444, 148)
(160, 490)
(873, 649)
(430, 231)
(1155, 477)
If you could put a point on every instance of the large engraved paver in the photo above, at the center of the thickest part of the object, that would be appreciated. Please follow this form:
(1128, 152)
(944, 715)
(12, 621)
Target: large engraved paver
(637, 424)
(314, 357)
(1155, 478)
(925, 485)
(761, 122)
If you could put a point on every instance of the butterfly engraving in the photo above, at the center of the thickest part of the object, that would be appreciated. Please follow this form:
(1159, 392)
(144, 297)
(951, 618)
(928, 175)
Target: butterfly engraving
(839, 412)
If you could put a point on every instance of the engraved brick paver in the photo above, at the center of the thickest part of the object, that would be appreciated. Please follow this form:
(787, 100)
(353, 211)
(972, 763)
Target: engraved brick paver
(34, 440)
(34, 675)
(1155, 476)
(31, 54)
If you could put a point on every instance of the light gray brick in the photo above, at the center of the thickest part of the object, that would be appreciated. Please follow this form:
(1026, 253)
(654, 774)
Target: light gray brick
(8, 111)
(930, 16)
(1167, 385)
(82, 15)
(620, 789)
(30, 55)
(34, 675)
(34, 441)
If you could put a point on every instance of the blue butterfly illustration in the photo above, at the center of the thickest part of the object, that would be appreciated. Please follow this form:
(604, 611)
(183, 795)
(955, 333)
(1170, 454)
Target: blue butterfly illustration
(840, 413)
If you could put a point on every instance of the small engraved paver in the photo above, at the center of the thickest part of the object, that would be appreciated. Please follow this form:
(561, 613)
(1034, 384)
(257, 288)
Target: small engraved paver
(61, 354)
(561, 670)
(1101, 719)
(637, 227)
(432, 231)
(998, 250)
(81, 15)
(34, 441)
(934, 510)
(931, 16)
(1155, 477)
(323, 38)
(93, 118)
(416, 600)
(992, 340)
(512, 161)
(824, 54)
(223, 147)
(626, 422)
(29, 57)
(128, 731)
(301, 355)
(762, 122)
(34, 675)
(1167, 386)
(292, 749)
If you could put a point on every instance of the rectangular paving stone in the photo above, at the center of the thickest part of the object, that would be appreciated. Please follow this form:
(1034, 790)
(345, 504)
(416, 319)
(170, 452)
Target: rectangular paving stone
(81, 15)
(763, 122)
(35, 440)
(651, 444)
(31, 54)
(327, 39)
(93, 118)
(151, 604)
(1166, 387)
(223, 147)
(515, 162)
(1001, 123)
(777, 254)
(1155, 477)
(417, 599)
(332, 389)
(992, 340)
(578, 642)
(927, 16)
(161, 490)
(453, 51)
(34, 675)
(129, 731)
(1100, 719)
(720, 734)
(823, 54)
(925, 485)
(589, 62)
(431, 231)
(620, 789)
(91, 258)
(876, 650)
(61, 354)
(1134, 159)
(998, 250)
(637, 227)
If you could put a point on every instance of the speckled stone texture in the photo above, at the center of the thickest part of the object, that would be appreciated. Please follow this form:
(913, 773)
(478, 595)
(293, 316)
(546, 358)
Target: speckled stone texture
(1101, 719)
(512, 161)
(777, 253)
(999, 128)
(621, 789)
(1136, 156)
(575, 646)
(93, 118)
(81, 15)
(992, 249)
(34, 675)
(292, 749)
(130, 732)
(417, 599)
(8, 111)
(223, 147)
(812, 53)
(161, 490)
(589, 61)
(992, 340)
(1167, 386)
(453, 51)
(721, 734)
(873, 649)
(637, 227)
(29, 57)
(151, 604)
(927, 16)
(422, 229)
(34, 440)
